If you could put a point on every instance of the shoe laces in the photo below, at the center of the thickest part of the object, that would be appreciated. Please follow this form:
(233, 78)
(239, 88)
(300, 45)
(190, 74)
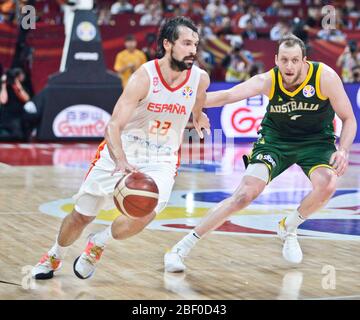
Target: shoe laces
(50, 261)
(291, 240)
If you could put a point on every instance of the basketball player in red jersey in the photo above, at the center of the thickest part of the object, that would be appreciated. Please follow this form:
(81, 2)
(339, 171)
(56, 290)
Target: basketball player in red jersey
(144, 134)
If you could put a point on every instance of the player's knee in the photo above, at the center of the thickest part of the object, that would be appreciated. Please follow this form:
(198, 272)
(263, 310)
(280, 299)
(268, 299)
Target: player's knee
(81, 219)
(243, 198)
(326, 186)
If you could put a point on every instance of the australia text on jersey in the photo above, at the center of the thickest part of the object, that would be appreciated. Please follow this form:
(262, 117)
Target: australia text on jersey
(294, 106)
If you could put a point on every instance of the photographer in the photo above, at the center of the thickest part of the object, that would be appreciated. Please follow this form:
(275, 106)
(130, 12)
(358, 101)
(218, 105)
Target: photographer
(349, 59)
(15, 123)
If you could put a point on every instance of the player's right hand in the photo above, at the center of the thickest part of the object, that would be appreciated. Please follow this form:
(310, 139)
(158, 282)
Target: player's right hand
(121, 165)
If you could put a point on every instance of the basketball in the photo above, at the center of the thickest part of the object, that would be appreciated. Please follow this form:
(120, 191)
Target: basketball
(136, 195)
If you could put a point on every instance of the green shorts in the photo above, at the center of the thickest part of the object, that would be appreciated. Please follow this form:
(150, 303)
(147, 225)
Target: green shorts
(278, 156)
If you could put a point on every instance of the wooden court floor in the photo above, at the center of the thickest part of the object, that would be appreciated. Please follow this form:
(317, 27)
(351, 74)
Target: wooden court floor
(242, 260)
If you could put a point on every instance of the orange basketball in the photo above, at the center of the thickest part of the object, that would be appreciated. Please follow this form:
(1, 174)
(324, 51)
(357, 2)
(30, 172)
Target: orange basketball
(136, 195)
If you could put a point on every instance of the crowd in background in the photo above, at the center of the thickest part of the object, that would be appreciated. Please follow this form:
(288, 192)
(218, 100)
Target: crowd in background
(232, 21)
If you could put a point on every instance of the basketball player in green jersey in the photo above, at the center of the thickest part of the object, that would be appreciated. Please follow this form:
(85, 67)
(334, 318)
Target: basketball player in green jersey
(297, 128)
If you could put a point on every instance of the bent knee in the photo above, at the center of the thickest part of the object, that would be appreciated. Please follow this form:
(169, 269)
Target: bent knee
(81, 219)
(326, 185)
(244, 197)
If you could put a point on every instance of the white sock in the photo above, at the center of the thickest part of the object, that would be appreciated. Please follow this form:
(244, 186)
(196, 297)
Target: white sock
(186, 244)
(293, 221)
(103, 237)
(58, 250)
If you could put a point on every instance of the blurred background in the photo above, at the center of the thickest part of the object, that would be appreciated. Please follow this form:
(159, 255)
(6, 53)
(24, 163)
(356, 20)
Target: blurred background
(238, 40)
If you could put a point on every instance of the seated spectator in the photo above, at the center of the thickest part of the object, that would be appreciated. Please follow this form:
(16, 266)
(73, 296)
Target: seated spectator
(279, 30)
(356, 74)
(333, 35)
(142, 7)
(121, 6)
(239, 7)
(250, 31)
(348, 60)
(152, 17)
(274, 8)
(351, 9)
(237, 65)
(205, 59)
(216, 7)
(255, 16)
(128, 60)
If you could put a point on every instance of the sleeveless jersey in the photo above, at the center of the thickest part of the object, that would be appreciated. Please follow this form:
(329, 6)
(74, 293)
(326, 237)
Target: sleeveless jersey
(156, 128)
(303, 114)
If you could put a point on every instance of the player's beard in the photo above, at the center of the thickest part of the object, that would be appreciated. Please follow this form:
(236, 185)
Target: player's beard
(296, 79)
(181, 65)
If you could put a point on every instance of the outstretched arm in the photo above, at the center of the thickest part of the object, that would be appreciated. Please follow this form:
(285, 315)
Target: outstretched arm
(259, 84)
(331, 86)
(200, 120)
(135, 90)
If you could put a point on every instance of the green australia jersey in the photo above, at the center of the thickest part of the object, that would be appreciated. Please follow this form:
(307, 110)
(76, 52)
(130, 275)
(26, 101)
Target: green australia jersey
(303, 114)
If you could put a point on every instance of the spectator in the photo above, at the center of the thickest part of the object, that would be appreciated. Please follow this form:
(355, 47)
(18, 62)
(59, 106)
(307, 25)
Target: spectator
(348, 60)
(250, 31)
(129, 59)
(274, 8)
(3, 91)
(334, 35)
(205, 59)
(15, 122)
(237, 65)
(216, 7)
(121, 6)
(350, 9)
(279, 30)
(356, 74)
(142, 7)
(239, 7)
(255, 16)
(153, 17)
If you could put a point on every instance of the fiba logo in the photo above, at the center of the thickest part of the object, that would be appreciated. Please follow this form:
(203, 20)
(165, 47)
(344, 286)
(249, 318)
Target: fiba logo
(86, 31)
(308, 91)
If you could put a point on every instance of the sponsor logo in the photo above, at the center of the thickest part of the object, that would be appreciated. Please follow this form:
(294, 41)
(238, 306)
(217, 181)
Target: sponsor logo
(339, 220)
(308, 91)
(268, 158)
(81, 121)
(86, 56)
(169, 108)
(295, 116)
(86, 31)
(187, 92)
(155, 84)
(243, 118)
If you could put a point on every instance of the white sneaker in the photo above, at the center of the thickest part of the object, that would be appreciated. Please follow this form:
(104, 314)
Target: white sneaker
(85, 265)
(291, 249)
(46, 267)
(174, 261)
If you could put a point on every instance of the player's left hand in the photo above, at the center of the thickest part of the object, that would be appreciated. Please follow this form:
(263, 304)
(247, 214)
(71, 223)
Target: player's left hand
(339, 160)
(201, 122)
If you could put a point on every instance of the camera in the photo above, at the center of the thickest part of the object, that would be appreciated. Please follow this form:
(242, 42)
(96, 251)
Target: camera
(12, 74)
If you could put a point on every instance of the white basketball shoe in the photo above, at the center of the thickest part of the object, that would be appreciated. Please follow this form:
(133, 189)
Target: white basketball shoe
(85, 265)
(174, 260)
(48, 264)
(291, 248)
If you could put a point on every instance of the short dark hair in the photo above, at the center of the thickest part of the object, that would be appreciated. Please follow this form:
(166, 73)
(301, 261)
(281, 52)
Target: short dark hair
(130, 37)
(290, 40)
(170, 31)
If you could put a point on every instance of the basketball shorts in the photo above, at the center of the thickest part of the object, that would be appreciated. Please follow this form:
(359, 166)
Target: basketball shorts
(96, 191)
(278, 155)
